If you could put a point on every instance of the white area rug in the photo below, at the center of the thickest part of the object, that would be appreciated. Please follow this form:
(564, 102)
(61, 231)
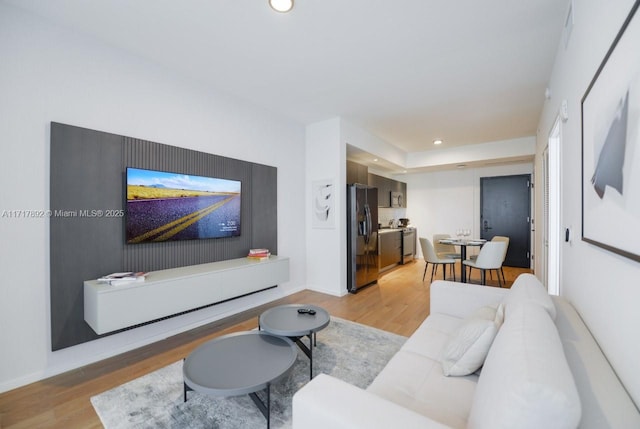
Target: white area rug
(350, 351)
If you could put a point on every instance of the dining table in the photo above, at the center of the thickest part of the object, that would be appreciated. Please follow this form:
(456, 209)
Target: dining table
(463, 243)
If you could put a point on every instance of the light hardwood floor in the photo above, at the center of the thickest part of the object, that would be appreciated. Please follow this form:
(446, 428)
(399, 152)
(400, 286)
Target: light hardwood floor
(398, 303)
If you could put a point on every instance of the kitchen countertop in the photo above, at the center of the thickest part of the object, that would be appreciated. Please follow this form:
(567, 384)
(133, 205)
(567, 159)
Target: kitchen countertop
(387, 230)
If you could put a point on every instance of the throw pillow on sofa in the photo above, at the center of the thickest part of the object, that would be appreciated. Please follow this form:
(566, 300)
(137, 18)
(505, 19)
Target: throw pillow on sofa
(466, 351)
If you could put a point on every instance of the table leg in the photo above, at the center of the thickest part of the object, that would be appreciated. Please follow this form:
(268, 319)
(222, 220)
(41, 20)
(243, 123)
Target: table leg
(306, 350)
(263, 406)
(310, 357)
(186, 388)
(463, 257)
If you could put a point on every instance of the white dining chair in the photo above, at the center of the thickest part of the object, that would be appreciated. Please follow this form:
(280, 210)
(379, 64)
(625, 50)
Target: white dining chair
(490, 258)
(430, 257)
(498, 238)
(504, 256)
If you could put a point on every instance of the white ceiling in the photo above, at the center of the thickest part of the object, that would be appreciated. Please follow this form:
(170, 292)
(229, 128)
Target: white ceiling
(408, 71)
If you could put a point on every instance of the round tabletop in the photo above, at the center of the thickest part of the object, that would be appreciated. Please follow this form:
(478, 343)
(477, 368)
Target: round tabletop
(286, 321)
(463, 241)
(240, 363)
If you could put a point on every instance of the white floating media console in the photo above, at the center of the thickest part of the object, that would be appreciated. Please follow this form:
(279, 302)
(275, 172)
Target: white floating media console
(165, 293)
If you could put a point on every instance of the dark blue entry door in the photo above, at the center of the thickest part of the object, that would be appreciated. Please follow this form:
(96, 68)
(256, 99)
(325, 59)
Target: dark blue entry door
(505, 209)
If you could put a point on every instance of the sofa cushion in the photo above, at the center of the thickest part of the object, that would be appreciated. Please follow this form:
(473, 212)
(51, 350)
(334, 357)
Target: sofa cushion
(328, 402)
(417, 383)
(526, 381)
(526, 288)
(432, 336)
(470, 343)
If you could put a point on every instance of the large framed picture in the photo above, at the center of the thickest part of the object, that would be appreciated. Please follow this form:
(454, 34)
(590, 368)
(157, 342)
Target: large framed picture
(611, 147)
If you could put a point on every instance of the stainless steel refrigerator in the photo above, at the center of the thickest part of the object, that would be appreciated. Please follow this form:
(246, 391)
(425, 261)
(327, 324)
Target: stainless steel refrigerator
(362, 236)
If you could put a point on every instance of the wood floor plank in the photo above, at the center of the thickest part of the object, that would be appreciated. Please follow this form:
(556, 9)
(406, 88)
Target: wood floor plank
(398, 303)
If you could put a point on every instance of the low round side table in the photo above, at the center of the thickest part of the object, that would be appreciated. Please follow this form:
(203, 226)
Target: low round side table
(239, 364)
(286, 321)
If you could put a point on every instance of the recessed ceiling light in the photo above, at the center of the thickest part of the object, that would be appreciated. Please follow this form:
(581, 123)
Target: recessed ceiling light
(375, 159)
(437, 141)
(281, 5)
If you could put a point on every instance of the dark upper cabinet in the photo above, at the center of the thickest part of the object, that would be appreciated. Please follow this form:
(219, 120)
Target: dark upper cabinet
(357, 173)
(385, 187)
(401, 187)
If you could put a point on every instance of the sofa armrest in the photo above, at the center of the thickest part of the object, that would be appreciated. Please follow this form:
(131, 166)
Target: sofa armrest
(327, 402)
(461, 299)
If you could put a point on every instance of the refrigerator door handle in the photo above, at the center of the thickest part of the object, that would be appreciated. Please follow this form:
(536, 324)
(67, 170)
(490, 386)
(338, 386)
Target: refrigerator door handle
(369, 230)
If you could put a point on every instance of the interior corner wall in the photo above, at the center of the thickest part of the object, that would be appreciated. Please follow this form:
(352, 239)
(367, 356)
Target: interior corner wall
(326, 158)
(326, 247)
(603, 286)
(52, 74)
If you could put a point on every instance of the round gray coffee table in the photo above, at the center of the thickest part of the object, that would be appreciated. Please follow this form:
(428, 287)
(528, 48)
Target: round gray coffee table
(285, 321)
(239, 364)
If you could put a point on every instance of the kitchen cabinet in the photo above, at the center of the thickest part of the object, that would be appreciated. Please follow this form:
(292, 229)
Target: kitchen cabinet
(390, 248)
(403, 190)
(357, 173)
(385, 187)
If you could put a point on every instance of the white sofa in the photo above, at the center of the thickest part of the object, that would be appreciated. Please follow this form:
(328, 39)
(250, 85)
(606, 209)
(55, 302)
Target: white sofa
(543, 369)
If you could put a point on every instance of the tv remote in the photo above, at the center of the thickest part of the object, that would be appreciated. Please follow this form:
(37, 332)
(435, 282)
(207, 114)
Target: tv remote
(306, 311)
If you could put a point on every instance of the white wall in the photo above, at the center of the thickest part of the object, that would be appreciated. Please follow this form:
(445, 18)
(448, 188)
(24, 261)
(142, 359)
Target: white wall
(326, 247)
(50, 74)
(444, 201)
(604, 287)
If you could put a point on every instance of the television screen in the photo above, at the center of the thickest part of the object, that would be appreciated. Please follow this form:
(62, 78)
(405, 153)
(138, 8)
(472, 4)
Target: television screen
(163, 206)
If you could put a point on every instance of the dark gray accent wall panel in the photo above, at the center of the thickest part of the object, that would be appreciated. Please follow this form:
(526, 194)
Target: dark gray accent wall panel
(85, 176)
(264, 200)
(88, 178)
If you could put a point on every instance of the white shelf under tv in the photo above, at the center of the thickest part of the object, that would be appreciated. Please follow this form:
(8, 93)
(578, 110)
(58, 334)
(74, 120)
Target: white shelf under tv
(165, 293)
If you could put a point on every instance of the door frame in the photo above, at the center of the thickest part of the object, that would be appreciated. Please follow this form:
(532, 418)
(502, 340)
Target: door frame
(551, 197)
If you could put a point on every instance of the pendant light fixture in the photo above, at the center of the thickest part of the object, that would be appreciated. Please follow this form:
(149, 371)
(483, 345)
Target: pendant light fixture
(281, 5)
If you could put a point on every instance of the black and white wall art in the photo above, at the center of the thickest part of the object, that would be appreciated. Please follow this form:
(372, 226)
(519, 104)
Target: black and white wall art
(611, 147)
(323, 203)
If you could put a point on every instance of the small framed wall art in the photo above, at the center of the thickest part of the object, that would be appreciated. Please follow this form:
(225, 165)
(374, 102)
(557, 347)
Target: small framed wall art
(323, 204)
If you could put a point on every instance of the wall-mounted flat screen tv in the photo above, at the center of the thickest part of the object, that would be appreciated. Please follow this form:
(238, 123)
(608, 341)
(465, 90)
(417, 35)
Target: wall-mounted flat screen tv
(164, 206)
